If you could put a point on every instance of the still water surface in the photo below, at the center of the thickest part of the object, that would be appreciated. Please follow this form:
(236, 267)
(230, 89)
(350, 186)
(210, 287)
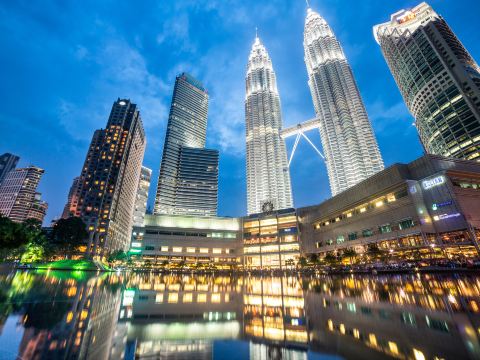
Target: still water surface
(78, 315)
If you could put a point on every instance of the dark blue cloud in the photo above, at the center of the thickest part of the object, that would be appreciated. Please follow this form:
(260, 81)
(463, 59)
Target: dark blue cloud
(63, 63)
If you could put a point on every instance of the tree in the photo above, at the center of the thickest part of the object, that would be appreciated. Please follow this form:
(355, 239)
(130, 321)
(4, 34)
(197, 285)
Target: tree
(117, 255)
(313, 259)
(302, 261)
(69, 233)
(290, 262)
(330, 258)
(350, 254)
(374, 251)
(12, 235)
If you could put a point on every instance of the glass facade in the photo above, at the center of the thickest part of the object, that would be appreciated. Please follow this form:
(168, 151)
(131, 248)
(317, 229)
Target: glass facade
(271, 240)
(438, 79)
(184, 159)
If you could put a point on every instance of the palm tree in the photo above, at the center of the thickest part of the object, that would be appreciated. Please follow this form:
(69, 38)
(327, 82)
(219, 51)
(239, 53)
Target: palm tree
(351, 254)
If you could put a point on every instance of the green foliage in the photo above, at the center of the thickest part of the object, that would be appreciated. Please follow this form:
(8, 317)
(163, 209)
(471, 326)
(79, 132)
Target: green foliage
(12, 235)
(330, 258)
(69, 233)
(313, 258)
(117, 256)
(350, 254)
(302, 261)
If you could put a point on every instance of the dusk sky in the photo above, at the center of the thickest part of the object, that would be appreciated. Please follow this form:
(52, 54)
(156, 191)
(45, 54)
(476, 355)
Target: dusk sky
(63, 64)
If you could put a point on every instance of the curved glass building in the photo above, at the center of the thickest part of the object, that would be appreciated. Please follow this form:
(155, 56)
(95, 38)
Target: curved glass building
(268, 177)
(438, 79)
(348, 141)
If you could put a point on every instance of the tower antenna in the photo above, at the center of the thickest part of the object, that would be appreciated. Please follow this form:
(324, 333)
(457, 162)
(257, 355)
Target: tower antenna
(308, 4)
(256, 32)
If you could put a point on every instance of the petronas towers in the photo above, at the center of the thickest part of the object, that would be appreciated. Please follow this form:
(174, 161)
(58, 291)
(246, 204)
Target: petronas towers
(350, 147)
(268, 178)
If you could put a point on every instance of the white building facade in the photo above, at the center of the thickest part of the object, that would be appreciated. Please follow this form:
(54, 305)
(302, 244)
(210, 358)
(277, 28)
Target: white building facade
(348, 141)
(268, 177)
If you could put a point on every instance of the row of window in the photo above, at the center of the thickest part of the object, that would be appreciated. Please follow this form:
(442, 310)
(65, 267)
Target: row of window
(193, 250)
(227, 235)
(377, 203)
(382, 229)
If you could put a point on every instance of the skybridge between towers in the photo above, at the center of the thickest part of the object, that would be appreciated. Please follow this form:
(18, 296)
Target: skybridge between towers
(299, 131)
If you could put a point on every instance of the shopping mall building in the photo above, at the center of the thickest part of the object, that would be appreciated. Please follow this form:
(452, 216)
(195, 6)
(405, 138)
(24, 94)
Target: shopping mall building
(429, 207)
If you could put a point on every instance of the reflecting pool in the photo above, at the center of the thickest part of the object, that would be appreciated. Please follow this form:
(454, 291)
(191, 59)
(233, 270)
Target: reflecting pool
(79, 315)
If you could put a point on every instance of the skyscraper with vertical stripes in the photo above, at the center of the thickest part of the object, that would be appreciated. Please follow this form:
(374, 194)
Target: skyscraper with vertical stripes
(188, 180)
(348, 141)
(268, 177)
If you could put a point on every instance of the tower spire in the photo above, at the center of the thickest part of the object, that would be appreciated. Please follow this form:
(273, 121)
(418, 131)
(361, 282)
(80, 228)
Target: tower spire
(308, 4)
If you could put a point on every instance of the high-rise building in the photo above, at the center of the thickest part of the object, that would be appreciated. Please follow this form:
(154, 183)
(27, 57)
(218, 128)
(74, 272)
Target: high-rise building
(438, 79)
(142, 196)
(72, 200)
(197, 186)
(268, 177)
(178, 191)
(348, 141)
(19, 199)
(109, 180)
(8, 162)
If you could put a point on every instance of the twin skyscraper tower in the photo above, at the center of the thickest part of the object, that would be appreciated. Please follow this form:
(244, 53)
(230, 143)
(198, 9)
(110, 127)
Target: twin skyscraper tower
(351, 150)
(188, 180)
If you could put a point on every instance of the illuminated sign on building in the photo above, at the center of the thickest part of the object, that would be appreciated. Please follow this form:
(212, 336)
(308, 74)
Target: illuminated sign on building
(436, 181)
(445, 216)
(439, 205)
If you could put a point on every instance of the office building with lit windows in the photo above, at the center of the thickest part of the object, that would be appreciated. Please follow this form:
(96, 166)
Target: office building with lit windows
(427, 208)
(8, 162)
(271, 240)
(72, 199)
(188, 179)
(438, 79)
(188, 239)
(142, 196)
(350, 147)
(109, 180)
(268, 176)
(19, 199)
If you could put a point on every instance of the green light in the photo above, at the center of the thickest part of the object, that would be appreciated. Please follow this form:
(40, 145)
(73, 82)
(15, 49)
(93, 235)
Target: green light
(135, 251)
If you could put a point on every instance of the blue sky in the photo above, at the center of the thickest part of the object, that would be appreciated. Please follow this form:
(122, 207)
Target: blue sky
(63, 63)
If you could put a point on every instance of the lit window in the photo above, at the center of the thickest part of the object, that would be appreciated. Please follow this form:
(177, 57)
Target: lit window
(187, 297)
(216, 298)
(393, 347)
(363, 209)
(164, 248)
(379, 203)
(204, 250)
(202, 298)
(330, 324)
(373, 339)
(177, 249)
(349, 215)
(173, 298)
(217, 251)
(418, 354)
(190, 249)
(159, 298)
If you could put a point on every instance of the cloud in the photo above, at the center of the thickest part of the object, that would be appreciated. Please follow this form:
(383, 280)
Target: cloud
(391, 121)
